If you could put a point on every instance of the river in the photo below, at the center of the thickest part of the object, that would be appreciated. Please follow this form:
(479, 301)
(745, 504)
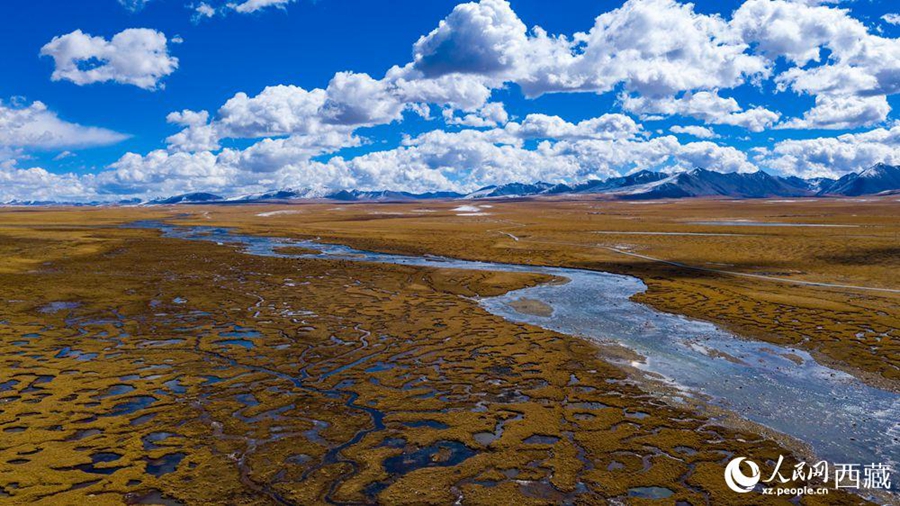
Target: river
(841, 418)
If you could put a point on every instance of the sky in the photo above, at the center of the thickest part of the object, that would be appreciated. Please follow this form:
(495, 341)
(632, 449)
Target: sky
(107, 100)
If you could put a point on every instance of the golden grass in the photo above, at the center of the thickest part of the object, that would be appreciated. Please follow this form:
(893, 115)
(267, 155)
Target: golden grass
(340, 339)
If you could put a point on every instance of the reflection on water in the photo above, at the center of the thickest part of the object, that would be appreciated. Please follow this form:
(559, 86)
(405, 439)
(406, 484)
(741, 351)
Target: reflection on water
(843, 419)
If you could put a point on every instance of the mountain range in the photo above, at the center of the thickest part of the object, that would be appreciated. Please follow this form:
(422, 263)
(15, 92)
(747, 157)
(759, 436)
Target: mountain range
(643, 185)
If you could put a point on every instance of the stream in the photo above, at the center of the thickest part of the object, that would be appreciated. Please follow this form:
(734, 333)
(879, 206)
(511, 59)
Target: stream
(841, 418)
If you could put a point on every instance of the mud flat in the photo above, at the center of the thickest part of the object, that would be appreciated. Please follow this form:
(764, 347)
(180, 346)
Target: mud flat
(531, 307)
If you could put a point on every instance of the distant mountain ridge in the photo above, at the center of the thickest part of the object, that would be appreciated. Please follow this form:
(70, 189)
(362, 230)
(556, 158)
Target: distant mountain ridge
(642, 185)
(187, 198)
(707, 183)
(877, 179)
(389, 196)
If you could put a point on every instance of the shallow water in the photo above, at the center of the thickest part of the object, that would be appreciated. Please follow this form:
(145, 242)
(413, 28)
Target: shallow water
(650, 492)
(841, 418)
(750, 223)
(58, 306)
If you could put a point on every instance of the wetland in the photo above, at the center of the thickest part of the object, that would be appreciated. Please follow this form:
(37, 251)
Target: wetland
(349, 359)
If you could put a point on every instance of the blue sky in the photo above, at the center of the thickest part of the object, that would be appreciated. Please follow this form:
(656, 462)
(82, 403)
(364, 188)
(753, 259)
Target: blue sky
(779, 99)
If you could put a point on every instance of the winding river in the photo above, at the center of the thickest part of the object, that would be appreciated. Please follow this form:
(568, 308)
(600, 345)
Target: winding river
(842, 419)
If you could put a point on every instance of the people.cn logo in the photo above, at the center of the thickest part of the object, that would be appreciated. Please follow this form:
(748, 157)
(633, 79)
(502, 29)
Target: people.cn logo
(737, 480)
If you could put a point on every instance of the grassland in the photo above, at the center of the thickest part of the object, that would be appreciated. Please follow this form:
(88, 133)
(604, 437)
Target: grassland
(750, 279)
(138, 369)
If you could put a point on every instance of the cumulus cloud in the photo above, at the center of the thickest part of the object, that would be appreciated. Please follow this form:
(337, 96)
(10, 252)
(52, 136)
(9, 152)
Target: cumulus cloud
(703, 105)
(662, 51)
(697, 131)
(833, 57)
(437, 160)
(662, 47)
(37, 184)
(271, 155)
(490, 115)
(36, 127)
(842, 112)
(277, 110)
(137, 56)
(359, 100)
(478, 38)
(542, 126)
(834, 156)
(349, 102)
(198, 134)
(686, 51)
(160, 172)
(663, 57)
(465, 160)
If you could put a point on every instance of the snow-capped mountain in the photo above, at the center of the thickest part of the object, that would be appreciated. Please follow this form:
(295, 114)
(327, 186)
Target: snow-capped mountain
(281, 195)
(880, 179)
(611, 184)
(511, 190)
(876, 179)
(707, 183)
(389, 196)
(815, 184)
(187, 198)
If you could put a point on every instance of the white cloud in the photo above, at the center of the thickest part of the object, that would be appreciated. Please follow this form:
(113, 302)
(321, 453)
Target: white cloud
(206, 10)
(794, 30)
(160, 172)
(842, 112)
(36, 184)
(663, 57)
(662, 47)
(202, 11)
(277, 110)
(36, 127)
(699, 132)
(709, 155)
(834, 156)
(137, 56)
(198, 134)
(658, 50)
(134, 5)
(436, 160)
(272, 155)
(479, 38)
(891, 18)
(250, 6)
(359, 100)
(542, 126)
(704, 105)
(491, 114)
(834, 57)
(459, 91)
(686, 51)
(350, 101)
